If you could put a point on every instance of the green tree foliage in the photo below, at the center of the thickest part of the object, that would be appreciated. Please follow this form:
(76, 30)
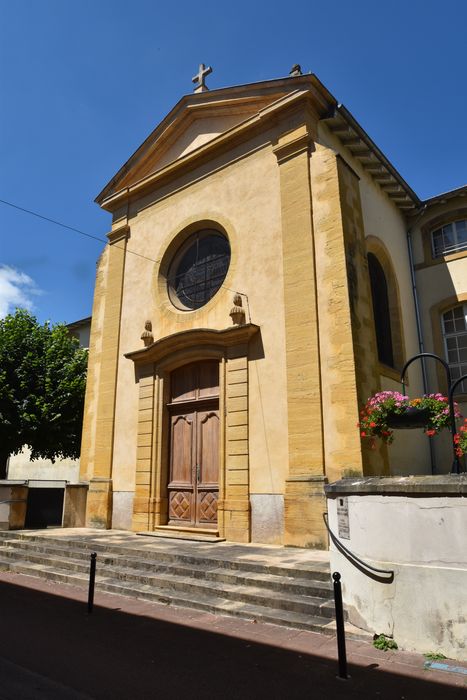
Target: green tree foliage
(42, 385)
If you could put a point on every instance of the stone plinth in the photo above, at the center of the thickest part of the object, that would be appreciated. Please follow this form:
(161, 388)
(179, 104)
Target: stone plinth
(414, 527)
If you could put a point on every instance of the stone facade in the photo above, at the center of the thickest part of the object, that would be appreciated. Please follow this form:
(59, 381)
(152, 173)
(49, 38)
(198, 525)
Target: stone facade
(300, 193)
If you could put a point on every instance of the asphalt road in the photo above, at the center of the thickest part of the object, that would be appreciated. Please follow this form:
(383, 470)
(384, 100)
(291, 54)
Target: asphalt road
(130, 649)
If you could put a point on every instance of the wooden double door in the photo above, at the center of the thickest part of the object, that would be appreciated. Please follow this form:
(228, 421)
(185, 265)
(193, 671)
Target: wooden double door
(193, 486)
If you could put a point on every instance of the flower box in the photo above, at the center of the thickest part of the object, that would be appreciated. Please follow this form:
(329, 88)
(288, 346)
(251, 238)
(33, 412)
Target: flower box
(388, 410)
(411, 418)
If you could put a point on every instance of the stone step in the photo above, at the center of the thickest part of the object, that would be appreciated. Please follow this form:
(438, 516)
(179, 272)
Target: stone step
(272, 582)
(174, 585)
(173, 533)
(278, 585)
(175, 552)
(207, 602)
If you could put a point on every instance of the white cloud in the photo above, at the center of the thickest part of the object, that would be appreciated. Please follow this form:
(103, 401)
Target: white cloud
(16, 289)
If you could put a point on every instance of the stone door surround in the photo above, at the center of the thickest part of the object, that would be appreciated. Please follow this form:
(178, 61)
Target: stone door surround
(153, 366)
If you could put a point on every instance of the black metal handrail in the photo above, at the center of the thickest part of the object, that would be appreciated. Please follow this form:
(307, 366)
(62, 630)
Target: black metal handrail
(359, 564)
(365, 568)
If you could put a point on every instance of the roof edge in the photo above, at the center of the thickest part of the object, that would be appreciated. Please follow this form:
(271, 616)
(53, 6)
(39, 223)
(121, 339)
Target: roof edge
(350, 119)
(193, 98)
(450, 194)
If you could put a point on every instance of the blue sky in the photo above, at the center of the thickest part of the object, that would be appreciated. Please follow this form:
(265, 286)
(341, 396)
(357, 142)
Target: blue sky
(83, 82)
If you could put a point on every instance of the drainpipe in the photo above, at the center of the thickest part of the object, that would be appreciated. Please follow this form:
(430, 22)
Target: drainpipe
(421, 343)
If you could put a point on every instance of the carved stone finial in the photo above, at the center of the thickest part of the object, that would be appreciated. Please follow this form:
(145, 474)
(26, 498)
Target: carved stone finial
(237, 312)
(147, 336)
(296, 70)
(200, 78)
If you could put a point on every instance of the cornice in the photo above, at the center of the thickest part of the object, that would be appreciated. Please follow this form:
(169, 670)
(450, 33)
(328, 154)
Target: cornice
(234, 97)
(119, 234)
(195, 337)
(293, 147)
(343, 125)
(305, 99)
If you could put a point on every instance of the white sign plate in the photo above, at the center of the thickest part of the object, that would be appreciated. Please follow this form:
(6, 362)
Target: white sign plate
(343, 528)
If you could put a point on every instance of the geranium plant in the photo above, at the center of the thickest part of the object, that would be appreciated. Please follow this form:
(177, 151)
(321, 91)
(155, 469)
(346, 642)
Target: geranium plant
(460, 440)
(376, 415)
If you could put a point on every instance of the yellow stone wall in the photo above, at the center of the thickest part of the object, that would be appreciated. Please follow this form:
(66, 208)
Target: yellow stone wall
(382, 220)
(241, 199)
(297, 211)
(348, 346)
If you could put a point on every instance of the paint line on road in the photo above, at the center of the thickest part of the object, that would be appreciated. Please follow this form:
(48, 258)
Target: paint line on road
(437, 666)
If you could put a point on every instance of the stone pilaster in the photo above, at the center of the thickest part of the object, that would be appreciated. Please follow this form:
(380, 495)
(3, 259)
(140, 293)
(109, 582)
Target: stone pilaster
(143, 513)
(347, 340)
(235, 509)
(365, 352)
(98, 428)
(304, 486)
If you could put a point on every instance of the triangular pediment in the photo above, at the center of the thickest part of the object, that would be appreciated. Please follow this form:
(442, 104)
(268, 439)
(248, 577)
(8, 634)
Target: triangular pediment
(190, 130)
(199, 119)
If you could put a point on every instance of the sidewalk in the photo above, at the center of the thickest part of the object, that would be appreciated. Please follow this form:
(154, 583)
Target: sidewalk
(131, 649)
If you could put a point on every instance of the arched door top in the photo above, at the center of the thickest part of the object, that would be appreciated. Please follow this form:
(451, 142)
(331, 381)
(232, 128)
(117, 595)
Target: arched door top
(193, 338)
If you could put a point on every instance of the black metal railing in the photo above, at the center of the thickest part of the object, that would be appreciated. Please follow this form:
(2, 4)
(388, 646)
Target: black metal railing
(456, 465)
(371, 571)
(365, 568)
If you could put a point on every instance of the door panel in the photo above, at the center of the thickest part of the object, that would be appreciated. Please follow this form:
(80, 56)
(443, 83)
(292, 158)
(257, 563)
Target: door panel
(208, 379)
(208, 446)
(182, 449)
(207, 487)
(198, 380)
(184, 383)
(181, 486)
(180, 507)
(193, 487)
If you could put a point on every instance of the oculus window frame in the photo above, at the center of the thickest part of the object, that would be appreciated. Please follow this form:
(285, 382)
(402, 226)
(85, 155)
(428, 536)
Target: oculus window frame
(198, 269)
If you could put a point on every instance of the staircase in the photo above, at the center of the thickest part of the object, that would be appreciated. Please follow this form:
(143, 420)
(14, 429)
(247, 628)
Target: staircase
(270, 584)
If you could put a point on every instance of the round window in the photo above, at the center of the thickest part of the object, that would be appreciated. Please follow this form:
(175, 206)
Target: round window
(198, 269)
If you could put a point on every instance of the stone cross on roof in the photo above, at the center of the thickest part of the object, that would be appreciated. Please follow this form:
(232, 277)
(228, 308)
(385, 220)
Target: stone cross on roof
(199, 78)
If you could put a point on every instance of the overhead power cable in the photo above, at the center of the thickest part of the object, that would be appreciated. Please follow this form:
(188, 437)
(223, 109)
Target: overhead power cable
(71, 228)
(101, 240)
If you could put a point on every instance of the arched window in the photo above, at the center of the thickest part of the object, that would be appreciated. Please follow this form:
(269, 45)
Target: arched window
(450, 238)
(454, 325)
(381, 311)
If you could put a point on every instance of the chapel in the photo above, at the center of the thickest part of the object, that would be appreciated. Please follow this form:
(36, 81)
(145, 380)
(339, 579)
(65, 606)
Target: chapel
(267, 269)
